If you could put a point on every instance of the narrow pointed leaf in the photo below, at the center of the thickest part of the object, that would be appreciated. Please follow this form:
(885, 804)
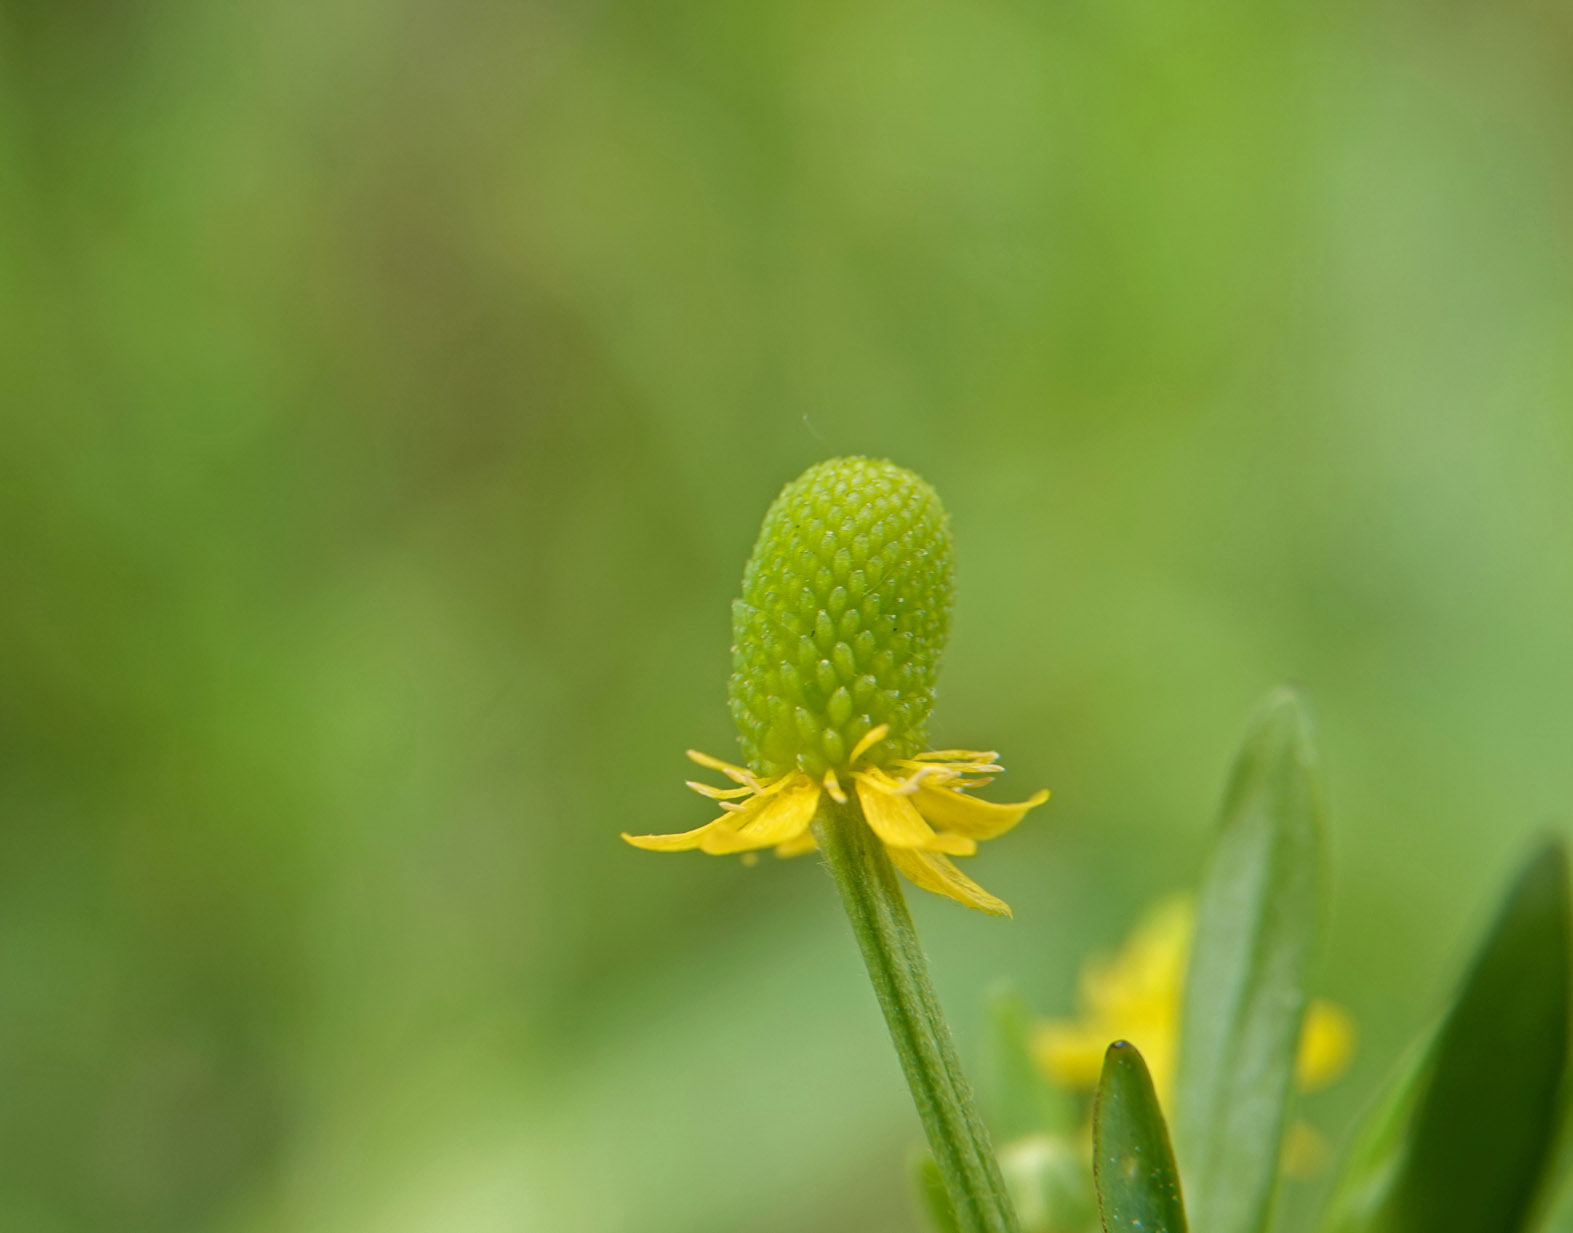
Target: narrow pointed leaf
(1133, 1166)
(1245, 996)
(1484, 1126)
(1358, 1200)
(1555, 1204)
(1461, 1139)
(1553, 1209)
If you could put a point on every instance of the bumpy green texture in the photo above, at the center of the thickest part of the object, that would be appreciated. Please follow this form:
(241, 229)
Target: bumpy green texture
(844, 614)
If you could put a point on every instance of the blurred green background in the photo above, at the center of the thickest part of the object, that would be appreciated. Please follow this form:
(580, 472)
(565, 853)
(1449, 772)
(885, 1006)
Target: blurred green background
(391, 393)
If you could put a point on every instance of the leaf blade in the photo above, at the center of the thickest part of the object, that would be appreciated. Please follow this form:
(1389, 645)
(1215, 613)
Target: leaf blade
(1134, 1173)
(1357, 1202)
(1485, 1123)
(1244, 1000)
(1460, 1140)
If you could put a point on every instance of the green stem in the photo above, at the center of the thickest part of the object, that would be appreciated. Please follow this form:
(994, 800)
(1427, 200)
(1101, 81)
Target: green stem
(899, 972)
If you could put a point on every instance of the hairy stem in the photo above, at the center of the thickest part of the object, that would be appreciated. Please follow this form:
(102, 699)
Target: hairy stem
(899, 971)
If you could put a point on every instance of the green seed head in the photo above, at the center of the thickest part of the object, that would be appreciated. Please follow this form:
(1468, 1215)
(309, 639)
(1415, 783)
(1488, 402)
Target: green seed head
(844, 614)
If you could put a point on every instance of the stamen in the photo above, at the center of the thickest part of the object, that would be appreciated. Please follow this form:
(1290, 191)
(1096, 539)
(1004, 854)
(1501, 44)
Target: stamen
(833, 786)
(718, 794)
(870, 738)
(956, 755)
(908, 786)
(954, 768)
(884, 781)
(735, 773)
(767, 787)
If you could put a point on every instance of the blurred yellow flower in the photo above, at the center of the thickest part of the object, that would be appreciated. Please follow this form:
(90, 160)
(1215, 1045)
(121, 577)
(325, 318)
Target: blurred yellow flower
(1135, 996)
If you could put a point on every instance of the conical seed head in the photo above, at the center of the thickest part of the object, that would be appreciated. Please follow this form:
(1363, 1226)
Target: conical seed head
(844, 615)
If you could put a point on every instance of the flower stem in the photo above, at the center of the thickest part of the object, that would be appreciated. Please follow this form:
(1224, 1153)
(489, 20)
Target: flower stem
(899, 972)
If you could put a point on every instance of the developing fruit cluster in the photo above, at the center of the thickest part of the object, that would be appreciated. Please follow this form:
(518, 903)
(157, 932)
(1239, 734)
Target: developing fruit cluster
(844, 614)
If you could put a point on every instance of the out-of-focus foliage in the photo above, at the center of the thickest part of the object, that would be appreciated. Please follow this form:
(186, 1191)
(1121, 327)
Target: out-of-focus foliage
(390, 395)
(1469, 1136)
(1463, 1141)
(1245, 985)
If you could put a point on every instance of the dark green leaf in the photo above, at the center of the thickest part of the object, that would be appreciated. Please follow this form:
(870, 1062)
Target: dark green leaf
(1484, 1125)
(1245, 991)
(1554, 1206)
(1020, 1100)
(1132, 1164)
(1357, 1203)
(1463, 1133)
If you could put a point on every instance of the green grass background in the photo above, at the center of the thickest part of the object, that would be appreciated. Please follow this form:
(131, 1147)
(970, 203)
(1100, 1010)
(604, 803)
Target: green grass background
(390, 393)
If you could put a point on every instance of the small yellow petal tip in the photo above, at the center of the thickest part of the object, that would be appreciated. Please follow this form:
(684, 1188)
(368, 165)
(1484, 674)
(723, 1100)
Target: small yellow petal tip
(684, 841)
(1327, 1045)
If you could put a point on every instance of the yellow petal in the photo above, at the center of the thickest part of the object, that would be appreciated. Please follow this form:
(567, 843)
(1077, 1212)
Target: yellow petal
(1327, 1042)
(801, 846)
(937, 873)
(895, 819)
(950, 810)
(1071, 1053)
(1145, 979)
(775, 819)
(684, 842)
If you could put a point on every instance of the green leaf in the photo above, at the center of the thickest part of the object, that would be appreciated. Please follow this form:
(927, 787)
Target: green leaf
(1484, 1126)
(1555, 1204)
(1020, 1099)
(1245, 990)
(1463, 1134)
(1358, 1200)
(1132, 1165)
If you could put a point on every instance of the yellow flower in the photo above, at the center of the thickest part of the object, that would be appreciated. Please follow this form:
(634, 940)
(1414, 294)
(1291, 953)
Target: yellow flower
(836, 643)
(922, 815)
(1136, 995)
